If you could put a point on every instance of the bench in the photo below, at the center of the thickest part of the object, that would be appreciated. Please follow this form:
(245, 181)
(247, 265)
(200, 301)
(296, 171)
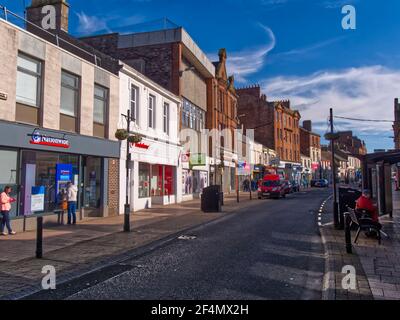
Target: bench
(362, 219)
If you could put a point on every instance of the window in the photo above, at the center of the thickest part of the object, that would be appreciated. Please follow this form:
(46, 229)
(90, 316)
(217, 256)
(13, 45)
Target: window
(166, 118)
(152, 112)
(144, 180)
(69, 101)
(192, 116)
(28, 91)
(134, 103)
(100, 111)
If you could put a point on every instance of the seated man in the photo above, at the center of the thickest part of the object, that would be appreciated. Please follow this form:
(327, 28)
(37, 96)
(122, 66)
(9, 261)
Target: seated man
(365, 203)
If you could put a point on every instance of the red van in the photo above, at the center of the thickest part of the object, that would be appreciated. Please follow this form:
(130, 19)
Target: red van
(271, 187)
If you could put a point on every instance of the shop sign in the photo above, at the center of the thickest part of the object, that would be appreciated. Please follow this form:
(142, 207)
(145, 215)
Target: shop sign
(38, 139)
(244, 168)
(63, 176)
(315, 166)
(37, 199)
(142, 145)
(185, 157)
(197, 159)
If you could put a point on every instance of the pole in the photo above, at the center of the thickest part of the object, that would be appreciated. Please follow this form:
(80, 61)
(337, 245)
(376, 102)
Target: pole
(39, 238)
(127, 212)
(251, 197)
(347, 233)
(237, 183)
(335, 202)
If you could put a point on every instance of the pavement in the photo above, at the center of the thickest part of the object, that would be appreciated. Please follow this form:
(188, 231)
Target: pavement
(377, 266)
(266, 250)
(95, 243)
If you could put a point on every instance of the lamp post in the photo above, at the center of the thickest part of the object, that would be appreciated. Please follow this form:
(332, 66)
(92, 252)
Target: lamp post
(127, 207)
(332, 137)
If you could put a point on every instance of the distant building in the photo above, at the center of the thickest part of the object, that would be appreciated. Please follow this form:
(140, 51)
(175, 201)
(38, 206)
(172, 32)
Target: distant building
(396, 126)
(310, 146)
(350, 143)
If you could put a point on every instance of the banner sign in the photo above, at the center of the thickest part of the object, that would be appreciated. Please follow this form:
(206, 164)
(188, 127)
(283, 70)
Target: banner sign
(244, 168)
(37, 199)
(197, 159)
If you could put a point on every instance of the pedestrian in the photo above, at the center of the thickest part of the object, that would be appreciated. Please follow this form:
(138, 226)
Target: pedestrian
(72, 198)
(365, 203)
(6, 201)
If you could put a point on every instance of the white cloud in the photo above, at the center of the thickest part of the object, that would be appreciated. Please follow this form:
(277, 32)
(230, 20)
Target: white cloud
(363, 93)
(90, 24)
(244, 63)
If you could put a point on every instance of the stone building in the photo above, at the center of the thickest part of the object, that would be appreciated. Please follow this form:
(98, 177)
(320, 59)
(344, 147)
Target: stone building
(275, 125)
(351, 144)
(222, 116)
(58, 120)
(310, 146)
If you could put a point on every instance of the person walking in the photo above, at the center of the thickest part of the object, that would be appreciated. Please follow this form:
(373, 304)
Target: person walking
(6, 201)
(72, 198)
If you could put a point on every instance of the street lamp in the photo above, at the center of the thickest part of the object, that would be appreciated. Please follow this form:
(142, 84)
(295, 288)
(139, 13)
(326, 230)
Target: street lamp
(332, 137)
(122, 135)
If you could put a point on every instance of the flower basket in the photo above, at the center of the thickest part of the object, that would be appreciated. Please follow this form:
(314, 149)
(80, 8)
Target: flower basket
(135, 139)
(121, 134)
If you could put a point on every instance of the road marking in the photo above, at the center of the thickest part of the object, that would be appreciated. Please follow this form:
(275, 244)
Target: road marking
(187, 237)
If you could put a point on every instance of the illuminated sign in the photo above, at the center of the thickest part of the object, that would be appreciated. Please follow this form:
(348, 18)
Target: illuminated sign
(39, 139)
(142, 146)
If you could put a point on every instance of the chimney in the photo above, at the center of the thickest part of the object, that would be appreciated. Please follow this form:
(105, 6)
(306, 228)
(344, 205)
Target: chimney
(40, 11)
(307, 125)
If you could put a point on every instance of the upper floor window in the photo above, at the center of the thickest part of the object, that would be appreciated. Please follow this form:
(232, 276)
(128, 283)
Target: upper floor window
(152, 111)
(100, 111)
(166, 118)
(70, 87)
(134, 103)
(193, 117)
(29, 88)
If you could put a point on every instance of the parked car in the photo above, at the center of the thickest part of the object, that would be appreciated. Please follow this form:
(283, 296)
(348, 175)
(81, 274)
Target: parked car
(271, 187)
(323, 183)
(312, 183)
(295, 186)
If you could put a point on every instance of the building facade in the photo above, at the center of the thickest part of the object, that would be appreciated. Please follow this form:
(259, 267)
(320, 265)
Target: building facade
(351, 144)
(156, 167)
(173, 60)
(222, 118)
(396, 126)
(310, 145)
(58, 121)
(276, 126)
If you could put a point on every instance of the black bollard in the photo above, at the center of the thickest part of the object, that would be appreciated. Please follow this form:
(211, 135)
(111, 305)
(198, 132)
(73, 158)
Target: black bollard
(39, 238)
(347, 232)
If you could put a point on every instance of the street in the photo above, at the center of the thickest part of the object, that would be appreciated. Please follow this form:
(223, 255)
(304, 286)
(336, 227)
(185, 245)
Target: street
(271, 251)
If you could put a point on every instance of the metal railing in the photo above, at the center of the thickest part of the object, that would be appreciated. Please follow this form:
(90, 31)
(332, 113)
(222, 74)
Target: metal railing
(54, 38)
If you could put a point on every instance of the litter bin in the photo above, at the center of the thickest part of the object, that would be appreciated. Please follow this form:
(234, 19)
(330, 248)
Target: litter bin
(211, 199)
(347, 198)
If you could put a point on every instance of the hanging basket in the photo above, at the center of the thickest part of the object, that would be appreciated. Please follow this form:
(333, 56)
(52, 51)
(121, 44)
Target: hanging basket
(135, 139)
(121, 134)
(332, 136)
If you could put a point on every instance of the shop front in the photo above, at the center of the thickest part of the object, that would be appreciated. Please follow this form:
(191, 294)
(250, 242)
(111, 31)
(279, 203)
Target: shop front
(195, 175)
(154, 172)
(39, 163)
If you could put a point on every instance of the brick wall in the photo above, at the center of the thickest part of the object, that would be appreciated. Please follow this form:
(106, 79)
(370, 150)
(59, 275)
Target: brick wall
(113, 187)
(305, 139)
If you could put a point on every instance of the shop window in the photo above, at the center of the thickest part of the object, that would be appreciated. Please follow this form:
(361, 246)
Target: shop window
(169, 178)
(92, 183)
(144, 180)
(28, 91)
(156, 181)
(39, 169)
(8, 175)
(100, 111)
(69, 101)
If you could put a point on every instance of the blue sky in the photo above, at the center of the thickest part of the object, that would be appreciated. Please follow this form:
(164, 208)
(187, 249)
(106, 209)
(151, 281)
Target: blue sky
(295, 49)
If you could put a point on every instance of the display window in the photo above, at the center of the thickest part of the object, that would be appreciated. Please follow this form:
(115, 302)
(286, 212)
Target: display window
(8, 175)
(194, 181)
(144, 180)
(156, 180)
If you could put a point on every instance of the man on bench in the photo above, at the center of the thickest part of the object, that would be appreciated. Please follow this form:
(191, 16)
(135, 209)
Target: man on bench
(364, 203)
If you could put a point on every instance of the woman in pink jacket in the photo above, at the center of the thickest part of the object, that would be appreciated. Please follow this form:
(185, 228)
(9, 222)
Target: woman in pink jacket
(5, 202)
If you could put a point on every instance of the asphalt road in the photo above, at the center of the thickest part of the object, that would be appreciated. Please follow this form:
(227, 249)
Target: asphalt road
(272, 251)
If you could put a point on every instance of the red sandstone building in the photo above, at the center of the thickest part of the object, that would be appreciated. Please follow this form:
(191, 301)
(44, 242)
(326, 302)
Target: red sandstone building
(310, 146)
(276, 126)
